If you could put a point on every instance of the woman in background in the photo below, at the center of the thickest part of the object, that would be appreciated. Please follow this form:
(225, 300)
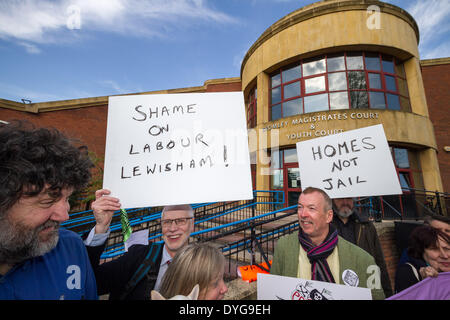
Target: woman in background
(427, 253)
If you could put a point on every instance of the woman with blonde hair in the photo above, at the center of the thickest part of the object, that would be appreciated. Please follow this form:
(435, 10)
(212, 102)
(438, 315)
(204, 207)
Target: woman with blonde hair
(197, 263)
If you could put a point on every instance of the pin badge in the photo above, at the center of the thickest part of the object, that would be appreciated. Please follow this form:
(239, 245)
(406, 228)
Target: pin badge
(350, 278)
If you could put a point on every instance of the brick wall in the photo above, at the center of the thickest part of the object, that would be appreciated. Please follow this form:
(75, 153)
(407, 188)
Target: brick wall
(224, 87)
(86, 125)
(386, 234)
(436, 79)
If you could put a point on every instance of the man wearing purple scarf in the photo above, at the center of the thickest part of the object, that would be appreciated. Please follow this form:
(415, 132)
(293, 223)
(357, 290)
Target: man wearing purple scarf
(316, 252)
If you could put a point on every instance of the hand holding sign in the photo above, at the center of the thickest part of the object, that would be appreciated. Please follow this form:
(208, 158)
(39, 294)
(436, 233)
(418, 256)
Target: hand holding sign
(349, 164)
(103, 208)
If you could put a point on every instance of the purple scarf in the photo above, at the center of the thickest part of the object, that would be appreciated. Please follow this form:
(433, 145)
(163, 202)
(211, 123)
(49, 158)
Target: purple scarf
(318, 255)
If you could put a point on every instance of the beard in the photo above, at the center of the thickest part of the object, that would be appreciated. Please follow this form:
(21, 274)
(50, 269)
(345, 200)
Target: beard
(344, 212)
(19, 243)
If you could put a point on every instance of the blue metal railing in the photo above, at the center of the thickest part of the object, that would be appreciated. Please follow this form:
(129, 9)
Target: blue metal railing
(118, 249)
(85, 220)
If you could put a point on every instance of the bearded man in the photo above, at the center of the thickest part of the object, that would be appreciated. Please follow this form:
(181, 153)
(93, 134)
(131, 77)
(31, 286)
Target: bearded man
(357, 229)
(39, 170)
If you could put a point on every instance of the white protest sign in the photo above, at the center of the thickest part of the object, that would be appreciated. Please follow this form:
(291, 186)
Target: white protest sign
(167, 149)
(273, 287)
(354, 163)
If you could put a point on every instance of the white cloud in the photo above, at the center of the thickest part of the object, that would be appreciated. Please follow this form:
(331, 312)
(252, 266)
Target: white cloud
(434, 26)
(120, 88)
(112, 84)
(47, 21)
(440, 51)
(8, 90)
(16, 92)
(30, 48)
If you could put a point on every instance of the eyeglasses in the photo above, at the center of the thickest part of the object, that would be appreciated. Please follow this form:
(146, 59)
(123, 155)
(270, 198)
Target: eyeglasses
(179, 222)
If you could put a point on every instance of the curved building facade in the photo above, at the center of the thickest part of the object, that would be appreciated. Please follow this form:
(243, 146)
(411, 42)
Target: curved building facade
(335, 66)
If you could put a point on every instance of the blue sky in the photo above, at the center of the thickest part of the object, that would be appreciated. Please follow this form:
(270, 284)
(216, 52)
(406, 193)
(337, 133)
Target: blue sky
(67, 49)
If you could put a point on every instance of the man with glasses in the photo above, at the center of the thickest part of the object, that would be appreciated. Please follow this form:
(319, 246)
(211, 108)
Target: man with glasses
(136, 273)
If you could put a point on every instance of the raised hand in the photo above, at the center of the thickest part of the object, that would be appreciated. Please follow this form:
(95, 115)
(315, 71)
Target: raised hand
(103, 208)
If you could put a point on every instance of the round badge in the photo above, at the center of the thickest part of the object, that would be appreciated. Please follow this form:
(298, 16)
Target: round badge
(350, 278)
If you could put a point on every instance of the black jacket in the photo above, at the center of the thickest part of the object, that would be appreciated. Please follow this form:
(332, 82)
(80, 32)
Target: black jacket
(405, 276)
(366, 237)
(113, 276)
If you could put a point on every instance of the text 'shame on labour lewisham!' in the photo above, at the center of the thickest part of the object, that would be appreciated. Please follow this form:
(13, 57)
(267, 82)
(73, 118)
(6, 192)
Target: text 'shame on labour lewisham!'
(145, 114)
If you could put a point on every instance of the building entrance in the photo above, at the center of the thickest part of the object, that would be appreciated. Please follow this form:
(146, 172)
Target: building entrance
(286, 174)
(292, 186)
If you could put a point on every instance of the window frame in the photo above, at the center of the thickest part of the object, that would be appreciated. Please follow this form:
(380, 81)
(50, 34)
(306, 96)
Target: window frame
(252, 105)
(398, 68)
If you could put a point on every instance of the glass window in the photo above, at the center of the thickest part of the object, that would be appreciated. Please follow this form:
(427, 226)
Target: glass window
(315, 84)
(392, 101)
(377, 100)
(374, 81)
(390, 83)
(356, 80)
(339, 100)
(388, 65)
(318, 102)
(405, 105)
(276, 112)
(292, 73)
(402, 87)
(276, 80)
(276, 95)
(275, 158)
(292, 107)
(313, 67)
(251, 108)
(401, 158)
(277, 179)
(293, 178)
(292, 90)
(372, 61)
(337, 81)
(290, 155)
(336, 63)
(354, 62)
(400, 70)
(404, 180)
(358, 99)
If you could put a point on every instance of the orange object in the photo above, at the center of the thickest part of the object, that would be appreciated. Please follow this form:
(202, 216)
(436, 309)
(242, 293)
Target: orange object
(249, 273)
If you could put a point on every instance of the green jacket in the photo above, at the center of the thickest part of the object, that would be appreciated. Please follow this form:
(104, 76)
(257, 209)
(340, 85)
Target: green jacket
(285, 262)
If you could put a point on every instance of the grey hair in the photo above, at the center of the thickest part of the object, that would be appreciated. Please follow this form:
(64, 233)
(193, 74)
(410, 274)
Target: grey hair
(184, 207)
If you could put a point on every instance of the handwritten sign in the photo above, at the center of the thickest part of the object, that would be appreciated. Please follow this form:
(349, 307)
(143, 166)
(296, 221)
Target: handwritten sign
(177, 148)
(349, 164)
(273, 287)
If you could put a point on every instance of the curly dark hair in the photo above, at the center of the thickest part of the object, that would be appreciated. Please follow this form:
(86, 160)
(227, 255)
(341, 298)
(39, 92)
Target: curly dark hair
(32, 158)
(424, 237)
